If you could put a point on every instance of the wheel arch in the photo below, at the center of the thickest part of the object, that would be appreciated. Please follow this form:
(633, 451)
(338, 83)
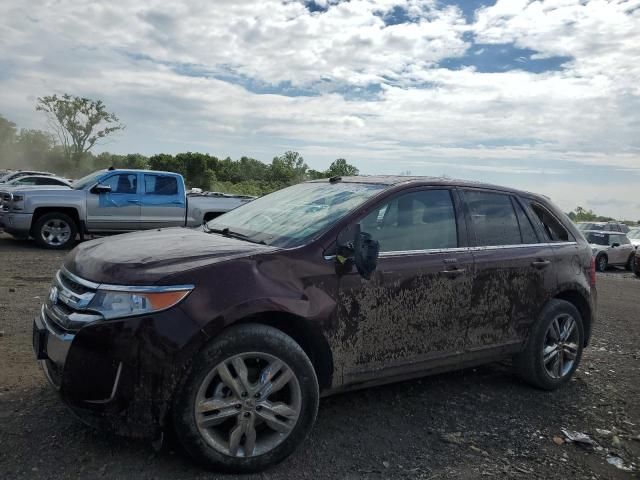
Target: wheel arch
(578, 300)
(308, 336)
(70, 211)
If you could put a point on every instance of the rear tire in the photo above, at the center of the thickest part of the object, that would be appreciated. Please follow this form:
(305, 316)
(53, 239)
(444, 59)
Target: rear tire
(55, 231)
(602, 262)
(225, 414)
(554, 348)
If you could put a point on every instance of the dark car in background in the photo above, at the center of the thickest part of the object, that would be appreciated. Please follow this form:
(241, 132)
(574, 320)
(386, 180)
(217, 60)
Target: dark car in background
(231, 333)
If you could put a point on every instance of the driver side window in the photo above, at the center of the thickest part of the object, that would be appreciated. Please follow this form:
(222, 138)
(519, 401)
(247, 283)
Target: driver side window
(122, 183)
(414, 221)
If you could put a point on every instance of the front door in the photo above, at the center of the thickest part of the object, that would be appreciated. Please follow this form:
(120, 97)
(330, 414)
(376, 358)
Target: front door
(514, 270)
(415, 307)
(117, 210)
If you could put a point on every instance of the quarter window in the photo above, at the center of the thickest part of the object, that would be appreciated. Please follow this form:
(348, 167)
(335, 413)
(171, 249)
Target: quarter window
(551, 226)
(414, 221)
(493, 218)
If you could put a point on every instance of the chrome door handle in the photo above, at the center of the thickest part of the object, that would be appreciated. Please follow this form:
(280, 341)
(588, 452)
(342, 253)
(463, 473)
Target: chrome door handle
(540, 264)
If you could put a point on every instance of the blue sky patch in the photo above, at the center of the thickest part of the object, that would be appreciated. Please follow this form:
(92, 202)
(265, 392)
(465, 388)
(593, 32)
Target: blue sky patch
(490, 58)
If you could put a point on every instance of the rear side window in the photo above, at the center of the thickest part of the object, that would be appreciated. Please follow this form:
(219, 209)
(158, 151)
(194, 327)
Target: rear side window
(160, 185)
(493, 218)
(598, 238)
(550, 224)
(414, 221)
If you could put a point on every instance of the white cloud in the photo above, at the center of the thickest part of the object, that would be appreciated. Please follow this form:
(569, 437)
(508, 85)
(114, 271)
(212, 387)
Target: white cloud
(135, 55)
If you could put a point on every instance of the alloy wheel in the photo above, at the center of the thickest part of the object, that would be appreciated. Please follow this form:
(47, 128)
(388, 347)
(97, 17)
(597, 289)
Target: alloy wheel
(248, 404)
(56, 232)
(560, 346)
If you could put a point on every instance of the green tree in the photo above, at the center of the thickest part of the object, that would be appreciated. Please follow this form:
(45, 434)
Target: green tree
(7, 132)
(288, 169)
(340, 168)
(79, 123)
(33, 146)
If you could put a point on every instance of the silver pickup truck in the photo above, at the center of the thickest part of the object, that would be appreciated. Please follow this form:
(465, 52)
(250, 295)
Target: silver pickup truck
(107, 201)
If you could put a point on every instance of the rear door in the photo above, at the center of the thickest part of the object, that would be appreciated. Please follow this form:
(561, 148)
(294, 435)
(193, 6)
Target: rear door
(117, 210)
(514, 270)
(163, 201)
(415, 308)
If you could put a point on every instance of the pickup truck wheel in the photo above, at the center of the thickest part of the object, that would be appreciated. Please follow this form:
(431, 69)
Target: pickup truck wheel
(55, 231)
(601, 262)
(554, 347)
(249, 399)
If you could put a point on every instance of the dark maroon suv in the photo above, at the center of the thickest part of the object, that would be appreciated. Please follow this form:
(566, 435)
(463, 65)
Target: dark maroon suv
(231, 333)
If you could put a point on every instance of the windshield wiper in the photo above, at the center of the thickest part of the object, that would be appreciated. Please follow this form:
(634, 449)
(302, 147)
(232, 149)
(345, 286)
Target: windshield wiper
(229, 233)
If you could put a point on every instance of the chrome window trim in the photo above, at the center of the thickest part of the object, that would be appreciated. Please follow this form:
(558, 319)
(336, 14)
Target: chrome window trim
(470, 249)
(127, 288)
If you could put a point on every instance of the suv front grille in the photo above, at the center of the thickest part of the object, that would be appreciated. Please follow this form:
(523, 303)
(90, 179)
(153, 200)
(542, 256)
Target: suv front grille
(69, 298)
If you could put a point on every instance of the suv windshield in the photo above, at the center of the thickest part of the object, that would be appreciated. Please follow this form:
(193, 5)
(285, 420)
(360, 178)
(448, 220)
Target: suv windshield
(291, 216)
(598, 238)
(87, 181)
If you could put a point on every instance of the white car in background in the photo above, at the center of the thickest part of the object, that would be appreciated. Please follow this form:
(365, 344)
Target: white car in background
(610, 249)
(8, 176)
(37, 180)
(634, 237)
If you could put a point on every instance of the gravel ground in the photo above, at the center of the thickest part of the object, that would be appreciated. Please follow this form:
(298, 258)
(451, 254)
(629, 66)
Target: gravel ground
(477, 423)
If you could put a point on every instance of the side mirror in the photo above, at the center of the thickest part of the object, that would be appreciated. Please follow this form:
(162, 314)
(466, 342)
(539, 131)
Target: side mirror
(366, 252)
(615, 244)
(100, 188)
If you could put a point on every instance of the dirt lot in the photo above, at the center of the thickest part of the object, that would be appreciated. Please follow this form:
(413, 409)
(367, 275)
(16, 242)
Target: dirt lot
(478, 423)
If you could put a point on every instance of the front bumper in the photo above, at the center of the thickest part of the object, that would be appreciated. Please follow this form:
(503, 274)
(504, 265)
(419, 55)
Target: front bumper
(118, 375)
(17, 224)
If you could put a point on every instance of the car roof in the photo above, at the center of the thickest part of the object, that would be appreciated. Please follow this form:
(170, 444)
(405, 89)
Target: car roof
(138, 170)
(394, 180)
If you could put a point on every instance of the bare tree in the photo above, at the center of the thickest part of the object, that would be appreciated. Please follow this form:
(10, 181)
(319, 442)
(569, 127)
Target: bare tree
(79, 123)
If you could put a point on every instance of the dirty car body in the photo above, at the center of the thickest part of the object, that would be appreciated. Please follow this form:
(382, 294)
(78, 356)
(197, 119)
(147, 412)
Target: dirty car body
(463, 272)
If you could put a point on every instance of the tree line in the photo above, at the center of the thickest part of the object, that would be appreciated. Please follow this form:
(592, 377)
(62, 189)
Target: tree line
(37, 149)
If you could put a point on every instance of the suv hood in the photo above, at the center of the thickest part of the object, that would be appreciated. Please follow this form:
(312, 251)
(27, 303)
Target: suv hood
(144, 258)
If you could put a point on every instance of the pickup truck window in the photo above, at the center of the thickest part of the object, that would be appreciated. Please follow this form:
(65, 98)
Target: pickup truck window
(122, 183)
(88, 181)
(160, 185)
(289, 217)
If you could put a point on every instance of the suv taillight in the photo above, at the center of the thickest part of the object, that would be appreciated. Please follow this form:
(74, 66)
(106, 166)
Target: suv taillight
(592, 272)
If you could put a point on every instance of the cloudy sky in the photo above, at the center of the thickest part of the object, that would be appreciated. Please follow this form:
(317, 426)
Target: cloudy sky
(542, 95)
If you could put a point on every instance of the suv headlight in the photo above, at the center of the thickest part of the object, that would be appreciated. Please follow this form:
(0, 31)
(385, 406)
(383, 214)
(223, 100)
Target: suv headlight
(137, 301)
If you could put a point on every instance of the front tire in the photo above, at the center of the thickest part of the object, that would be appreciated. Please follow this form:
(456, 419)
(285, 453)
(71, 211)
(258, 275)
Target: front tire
(249, 399)
(602, 262)
(554, 348)
(55, 231)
